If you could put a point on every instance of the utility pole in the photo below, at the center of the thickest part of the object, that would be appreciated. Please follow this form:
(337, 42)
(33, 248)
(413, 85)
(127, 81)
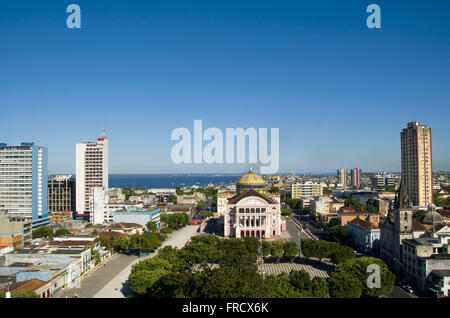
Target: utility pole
(140, 246)
(8, 294)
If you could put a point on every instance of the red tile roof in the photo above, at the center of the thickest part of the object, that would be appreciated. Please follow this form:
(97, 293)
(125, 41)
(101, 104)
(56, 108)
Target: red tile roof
(363, 224)
(251, 193)
(109, 235)
(31, 284)
(125, 225)
(417, 226)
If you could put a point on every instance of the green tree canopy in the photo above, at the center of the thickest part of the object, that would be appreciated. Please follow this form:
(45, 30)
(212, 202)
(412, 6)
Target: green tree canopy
(323, 249)
(266, 248)
(43, 231)
(320, 288)
(342, 255)
(277, 250)
(207, 214)
(251, 244)
(200, 205)
(301, 280)
(122, 244)
(358, 267)
(172, 198)
(173, 285)
(355, 204)
(166, 230)
(20, 294)
(61, 232)
(280, 287)
(141, 281)
(285, 212)
(343, 285)
(290, 250)
(274, 189)
(151, 264)
(152, 226)
(175, 220)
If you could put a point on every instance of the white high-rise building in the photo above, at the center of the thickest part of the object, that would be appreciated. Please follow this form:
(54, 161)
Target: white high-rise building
(91, 171)
(342, 176)
(23, 182)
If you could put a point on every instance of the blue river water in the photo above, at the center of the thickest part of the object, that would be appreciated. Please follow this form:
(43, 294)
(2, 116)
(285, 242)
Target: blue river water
(150, 181)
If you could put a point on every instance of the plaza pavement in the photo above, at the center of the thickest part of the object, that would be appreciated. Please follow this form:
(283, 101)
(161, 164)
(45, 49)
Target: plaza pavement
(314, 267)
(118, 287)
(314, 270)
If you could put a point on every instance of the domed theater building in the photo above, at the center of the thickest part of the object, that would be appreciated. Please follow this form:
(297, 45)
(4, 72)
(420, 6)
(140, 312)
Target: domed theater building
(251, 181)
(252, 211)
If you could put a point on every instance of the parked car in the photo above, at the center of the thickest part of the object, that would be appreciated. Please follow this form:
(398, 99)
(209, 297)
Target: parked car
(408, 289)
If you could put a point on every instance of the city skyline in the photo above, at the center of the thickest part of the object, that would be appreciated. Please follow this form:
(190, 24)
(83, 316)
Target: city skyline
(213, 156)
(339, 92)
(236, 169)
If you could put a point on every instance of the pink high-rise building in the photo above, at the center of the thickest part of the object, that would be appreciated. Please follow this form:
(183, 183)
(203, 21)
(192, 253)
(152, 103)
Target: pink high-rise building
(356, 177)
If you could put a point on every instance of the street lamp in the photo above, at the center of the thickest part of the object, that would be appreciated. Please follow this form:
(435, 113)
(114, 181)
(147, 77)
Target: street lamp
(140, 246)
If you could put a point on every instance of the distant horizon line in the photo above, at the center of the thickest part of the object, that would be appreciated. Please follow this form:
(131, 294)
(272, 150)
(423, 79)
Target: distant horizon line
(232, 173)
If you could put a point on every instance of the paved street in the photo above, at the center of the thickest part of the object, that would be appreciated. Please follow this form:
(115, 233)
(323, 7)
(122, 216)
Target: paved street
(118, 287)
(398, 292)
(94, 282)
(314, 228)
(294, 234)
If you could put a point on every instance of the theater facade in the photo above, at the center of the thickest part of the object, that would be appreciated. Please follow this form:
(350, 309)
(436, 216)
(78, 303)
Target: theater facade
(252, 212)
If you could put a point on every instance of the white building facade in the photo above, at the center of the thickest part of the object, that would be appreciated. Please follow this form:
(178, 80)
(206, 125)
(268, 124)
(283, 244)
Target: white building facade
(101, 210)
(306, 189)
(91, 171)
(342, 177)
(23, 182)
(253, 214)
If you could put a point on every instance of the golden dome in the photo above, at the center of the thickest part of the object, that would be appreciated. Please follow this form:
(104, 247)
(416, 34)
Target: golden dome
(251, 178)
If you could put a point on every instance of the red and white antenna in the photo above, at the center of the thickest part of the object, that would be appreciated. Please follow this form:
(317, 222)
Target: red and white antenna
(103, 137)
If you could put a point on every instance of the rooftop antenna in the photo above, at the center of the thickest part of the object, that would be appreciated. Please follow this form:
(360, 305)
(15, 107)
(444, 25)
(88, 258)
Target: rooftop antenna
(103, 130)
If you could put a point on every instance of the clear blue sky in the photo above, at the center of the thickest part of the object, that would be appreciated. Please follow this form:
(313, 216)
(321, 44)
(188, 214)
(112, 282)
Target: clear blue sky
(339, 92)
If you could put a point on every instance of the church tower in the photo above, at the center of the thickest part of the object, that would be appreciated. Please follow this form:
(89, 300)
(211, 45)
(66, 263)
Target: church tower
(403, 210)
(396, 227)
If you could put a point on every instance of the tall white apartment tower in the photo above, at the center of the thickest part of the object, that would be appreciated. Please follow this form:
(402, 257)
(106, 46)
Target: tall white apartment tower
(417, 167)
(91, 171)
(342, 176)
(23, 182)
